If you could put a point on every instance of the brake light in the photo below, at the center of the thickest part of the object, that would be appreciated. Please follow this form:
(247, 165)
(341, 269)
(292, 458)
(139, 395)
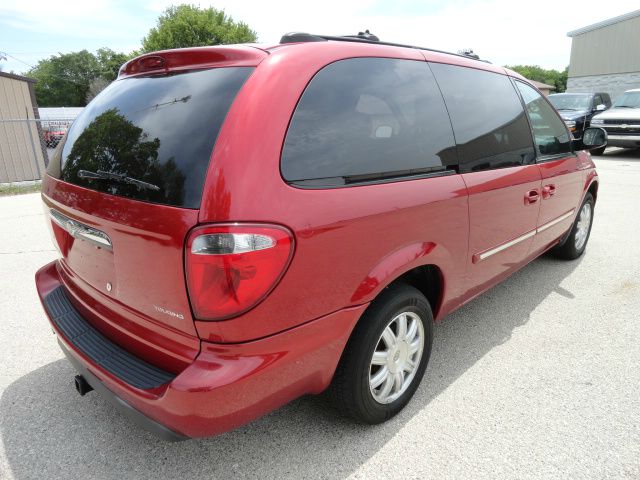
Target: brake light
(151, 63)
(142, 64)
(231, 268)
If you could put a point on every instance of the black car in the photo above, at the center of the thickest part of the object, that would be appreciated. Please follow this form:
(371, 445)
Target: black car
(577, 109)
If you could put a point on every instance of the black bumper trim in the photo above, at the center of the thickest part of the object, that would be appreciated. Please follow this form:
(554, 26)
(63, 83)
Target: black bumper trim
(77, 331)
(127, 410)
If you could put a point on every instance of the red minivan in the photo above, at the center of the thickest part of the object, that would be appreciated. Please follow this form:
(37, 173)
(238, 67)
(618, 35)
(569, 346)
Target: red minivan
(242, 225)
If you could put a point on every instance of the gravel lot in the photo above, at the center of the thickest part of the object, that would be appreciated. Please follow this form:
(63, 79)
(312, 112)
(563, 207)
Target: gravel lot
(538, 378)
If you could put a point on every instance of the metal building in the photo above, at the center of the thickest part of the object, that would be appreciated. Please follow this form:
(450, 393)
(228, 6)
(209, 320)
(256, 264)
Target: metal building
(605, 56)
(21, 152)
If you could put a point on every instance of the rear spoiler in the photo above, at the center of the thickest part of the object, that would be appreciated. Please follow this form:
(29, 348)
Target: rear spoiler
(193, 59)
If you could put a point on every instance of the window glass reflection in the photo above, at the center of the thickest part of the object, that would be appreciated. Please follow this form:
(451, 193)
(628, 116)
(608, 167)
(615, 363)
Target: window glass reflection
(156, 129)
(549, 131)
(490, 125)
(368, 118)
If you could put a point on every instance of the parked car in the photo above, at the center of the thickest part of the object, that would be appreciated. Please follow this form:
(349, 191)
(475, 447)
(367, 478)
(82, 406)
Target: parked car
(53, 137)
(622, 121)
(239, 226)
(577, 109)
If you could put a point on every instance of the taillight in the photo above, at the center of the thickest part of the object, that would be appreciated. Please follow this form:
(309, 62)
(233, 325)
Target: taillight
(231, 268)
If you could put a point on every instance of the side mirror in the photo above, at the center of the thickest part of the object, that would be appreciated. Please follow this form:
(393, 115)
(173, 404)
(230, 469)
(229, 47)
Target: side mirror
(594, 137)
(600, 108)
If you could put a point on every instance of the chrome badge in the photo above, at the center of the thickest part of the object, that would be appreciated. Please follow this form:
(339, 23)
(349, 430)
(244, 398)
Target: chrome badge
(81, 231)
(168, 312)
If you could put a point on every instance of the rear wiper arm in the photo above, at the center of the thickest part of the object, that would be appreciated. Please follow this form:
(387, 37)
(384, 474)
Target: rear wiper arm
(102, 175)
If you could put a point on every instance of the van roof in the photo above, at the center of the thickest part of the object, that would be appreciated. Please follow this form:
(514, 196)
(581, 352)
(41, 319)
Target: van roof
(252, 54)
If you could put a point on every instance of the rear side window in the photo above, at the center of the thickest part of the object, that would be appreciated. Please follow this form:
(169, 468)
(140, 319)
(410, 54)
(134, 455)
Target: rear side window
(489, 122)
(549, 131)
(150, 138)
(366, 119)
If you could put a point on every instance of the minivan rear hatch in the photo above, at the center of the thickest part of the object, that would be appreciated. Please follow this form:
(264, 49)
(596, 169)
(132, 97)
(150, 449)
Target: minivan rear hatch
(124, 186)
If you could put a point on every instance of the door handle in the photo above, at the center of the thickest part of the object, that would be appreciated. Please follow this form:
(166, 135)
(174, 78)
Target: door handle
(548, 191)
(531, 197)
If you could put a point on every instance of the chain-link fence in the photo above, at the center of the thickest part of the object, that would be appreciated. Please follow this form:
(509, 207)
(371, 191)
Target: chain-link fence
(27, 144)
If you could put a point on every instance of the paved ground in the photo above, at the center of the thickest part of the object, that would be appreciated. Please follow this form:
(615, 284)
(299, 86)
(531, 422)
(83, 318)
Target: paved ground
(538, 378)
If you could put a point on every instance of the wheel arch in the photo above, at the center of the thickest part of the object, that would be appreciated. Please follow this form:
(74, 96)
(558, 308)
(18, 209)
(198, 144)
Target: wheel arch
(593, 189)
(429, 280)
(416, 264)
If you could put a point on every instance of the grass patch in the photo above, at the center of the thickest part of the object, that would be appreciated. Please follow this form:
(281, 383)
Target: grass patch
(17, 189)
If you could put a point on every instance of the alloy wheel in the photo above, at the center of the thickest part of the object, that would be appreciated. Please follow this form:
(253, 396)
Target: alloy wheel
(583, 225)
(396, 357)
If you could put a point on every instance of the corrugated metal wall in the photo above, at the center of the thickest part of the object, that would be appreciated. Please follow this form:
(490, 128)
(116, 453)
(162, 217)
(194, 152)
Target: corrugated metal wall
(21, 156)
(611, 49)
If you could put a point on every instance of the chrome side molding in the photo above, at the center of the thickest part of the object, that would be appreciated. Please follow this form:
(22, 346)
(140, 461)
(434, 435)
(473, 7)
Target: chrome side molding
(504, 246)
(81, 231)
(542, 228)
(487, 253)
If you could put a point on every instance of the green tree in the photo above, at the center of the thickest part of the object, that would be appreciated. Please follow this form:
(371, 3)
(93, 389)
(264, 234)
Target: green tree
(551, 77)
(69, 79)
(190, 26)
(73, 79)
(111, 143)
(95, 87)
(63, 80)
(110, 63)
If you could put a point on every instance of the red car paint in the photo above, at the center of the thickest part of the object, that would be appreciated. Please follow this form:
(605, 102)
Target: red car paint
(350, 243)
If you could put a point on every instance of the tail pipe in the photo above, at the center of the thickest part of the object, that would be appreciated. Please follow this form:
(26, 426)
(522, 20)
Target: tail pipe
(82, 386)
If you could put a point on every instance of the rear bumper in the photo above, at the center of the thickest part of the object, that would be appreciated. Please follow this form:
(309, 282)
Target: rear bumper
(127, 410)
(227, 385)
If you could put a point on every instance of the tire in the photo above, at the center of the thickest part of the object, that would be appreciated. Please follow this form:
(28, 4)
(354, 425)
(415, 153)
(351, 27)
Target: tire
(351, 389)
(576, 242)
(598, 151)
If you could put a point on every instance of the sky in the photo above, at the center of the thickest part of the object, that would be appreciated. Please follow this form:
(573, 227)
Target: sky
(505, 32)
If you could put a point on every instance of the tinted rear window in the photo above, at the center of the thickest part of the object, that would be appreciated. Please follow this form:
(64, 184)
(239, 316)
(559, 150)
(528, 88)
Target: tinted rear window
(489, 122)
(159, 130)
(366, 119)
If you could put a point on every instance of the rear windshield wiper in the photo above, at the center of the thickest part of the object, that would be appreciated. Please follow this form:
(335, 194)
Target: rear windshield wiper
(118, 177)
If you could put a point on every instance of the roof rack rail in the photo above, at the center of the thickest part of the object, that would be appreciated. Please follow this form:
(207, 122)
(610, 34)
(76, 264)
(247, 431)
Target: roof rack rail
(368, 37)
(468, 52)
